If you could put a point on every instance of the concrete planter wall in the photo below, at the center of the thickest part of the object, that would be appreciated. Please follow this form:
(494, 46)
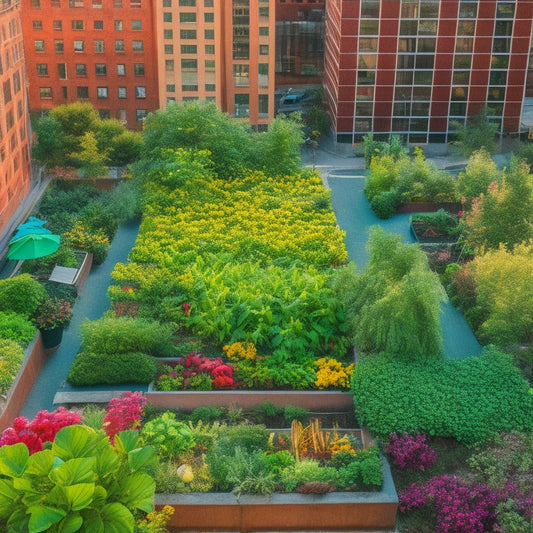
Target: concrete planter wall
(334, 511)
(18, 392)
(312, 400)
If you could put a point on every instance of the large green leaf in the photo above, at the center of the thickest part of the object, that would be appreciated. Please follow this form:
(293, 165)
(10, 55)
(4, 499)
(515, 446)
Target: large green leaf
(71, 523)
(92, 521)
(74, 471)
(18, 521)
(137, 491)
(126, 441)
(33, 490)
(99, 497)
(141, 457)
(107, 462)
(117, 519)
(43, 517)
(13, 459)
(8, 497)
(73, 497)
(75, 441)
(40, 464)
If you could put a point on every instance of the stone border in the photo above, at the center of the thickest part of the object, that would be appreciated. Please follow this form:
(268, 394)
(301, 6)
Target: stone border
(334, 511)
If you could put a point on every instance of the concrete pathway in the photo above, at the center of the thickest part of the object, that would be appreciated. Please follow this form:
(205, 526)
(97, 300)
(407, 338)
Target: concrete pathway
(91, 304)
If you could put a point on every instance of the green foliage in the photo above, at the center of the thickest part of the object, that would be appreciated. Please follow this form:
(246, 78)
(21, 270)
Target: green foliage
(205, 414)
(524, 151)
(51, 145)
(169, 437)
(503, 214)
(247, 473)
(90, 160)
(16, 327)
(307, 471)
(89, 368)
(81, 483)
(382, 175)
(385, 204)
(478, 133)
(21, 294)
(479, 173)
(278, 461)
(64, 256)
(394, 305)
(201, 126)
(278, 149)
(471, 400)
(293, 412)
(11, 358)
(112, 335)
(363, 471)
(505, 295)
(125, 148)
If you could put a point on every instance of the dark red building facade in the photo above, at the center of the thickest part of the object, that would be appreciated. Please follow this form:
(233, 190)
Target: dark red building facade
(99, 51)
(413, 67)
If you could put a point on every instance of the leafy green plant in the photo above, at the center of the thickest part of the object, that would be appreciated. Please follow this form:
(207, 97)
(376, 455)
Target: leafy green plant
(89, 368)
(81, 483)
(168, 436)
(294, 412)
(16, 327)
(247, 473)
(306, 471)
(11, 358)
(21, 294)
(385, 204)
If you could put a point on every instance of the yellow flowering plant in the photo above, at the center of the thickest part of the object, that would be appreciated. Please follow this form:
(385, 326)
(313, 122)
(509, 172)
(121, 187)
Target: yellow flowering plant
(332, 374)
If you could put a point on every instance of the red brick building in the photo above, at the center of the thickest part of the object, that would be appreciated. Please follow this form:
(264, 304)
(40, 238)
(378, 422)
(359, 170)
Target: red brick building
(99, 51)
(411, 67)
(15, 165)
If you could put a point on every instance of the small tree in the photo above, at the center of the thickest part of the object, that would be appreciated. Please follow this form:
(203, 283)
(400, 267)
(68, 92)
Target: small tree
(52, 145)
(91, 160)
(477, 133)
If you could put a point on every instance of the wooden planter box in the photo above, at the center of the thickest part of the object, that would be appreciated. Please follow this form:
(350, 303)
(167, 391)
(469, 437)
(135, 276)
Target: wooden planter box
(334, 511)
(428, 207)
(330, 401)
(438, 239)
(19, 390)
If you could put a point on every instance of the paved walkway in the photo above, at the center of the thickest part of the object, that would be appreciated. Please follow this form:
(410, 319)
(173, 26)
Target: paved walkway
(91, 304)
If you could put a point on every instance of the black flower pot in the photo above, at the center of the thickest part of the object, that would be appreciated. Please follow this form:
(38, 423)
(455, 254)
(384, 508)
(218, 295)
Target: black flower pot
(52, 338)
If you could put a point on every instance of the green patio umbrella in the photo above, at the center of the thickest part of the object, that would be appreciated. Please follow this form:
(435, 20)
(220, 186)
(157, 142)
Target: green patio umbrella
(33, 245)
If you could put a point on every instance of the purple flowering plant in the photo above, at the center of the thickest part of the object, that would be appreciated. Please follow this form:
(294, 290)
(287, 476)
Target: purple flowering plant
(411, 452)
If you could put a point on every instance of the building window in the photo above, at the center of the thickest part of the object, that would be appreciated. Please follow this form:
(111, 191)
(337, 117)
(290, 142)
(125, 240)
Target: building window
(36, 4)
(188, 49)
(136, 4)
(82, 92)
(101, 92)
(16, 81)
(118, 25)
(99, 47)
(77, 24)
(209, 34)
(209, 64)
(100, 69)
(64, 91)
(138, 69)
(122, 92)
(263, 49)
(169, 65)
(81, 69)
(263, 104)
(168, 34)
(37, 24)
(97, 4)
(79, 46)
(140, 92)
(187, 17)
(58, 25)
(77, 4)
(209, 49)
(187, 34)
(42, 69)
(242, 105)
(171, 88)
(122, 115)
(169, 49)
(187, 3)
(140, 114)
(138, 46)
(117, 4)
(45, 92)
(136, 25)
(62, 71)
(98, 24)
(121, 70)
(167, 3)
(167, 16)
(39, 45)
(58, 46)
(209, 17)
(119, 45)
(263, 31)
(210, 87)
(241, 75)
(263, 75)
(208, 3)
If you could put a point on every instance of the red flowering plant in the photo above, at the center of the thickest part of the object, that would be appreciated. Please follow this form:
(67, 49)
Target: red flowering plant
(123, 413)
(195, 372)
(43, 428)
(53, 313)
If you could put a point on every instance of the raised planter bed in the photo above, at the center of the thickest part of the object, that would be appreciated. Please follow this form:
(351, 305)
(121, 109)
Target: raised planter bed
(311, 400)
(334, 511)
(19, 390)
(422, 207)
(434, 237)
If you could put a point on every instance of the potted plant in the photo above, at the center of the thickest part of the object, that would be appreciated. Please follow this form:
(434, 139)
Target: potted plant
(51, 318)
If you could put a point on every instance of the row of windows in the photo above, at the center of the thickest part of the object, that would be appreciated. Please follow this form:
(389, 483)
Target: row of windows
(100, 69)
(79, 46)
(13, 54)
(6, 87)
(188, 17)
(79, 4)
(80, 25)
(188, 34)
(101, 92)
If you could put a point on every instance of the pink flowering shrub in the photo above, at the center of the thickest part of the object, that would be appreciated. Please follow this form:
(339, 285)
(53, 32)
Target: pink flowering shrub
(123, 413)
(411, 452)
(43, 428)
(460, 507)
